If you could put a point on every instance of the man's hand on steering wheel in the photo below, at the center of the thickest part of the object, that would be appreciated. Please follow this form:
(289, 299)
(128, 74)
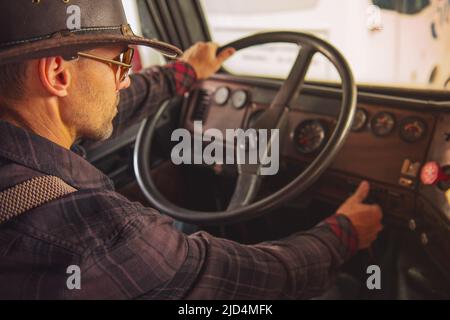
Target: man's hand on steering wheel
(203, 57)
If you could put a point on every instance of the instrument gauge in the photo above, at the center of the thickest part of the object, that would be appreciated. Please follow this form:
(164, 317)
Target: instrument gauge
(309, 136)
(222, 95)
(382, 124)
(240, 99)
(360, 120)
(412, 129)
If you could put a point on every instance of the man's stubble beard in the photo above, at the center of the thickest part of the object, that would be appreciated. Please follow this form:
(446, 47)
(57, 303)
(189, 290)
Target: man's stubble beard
(107, 129)
(104, 128)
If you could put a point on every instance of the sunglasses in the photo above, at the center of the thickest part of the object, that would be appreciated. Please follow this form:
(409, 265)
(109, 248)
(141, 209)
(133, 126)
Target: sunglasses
(122, 63)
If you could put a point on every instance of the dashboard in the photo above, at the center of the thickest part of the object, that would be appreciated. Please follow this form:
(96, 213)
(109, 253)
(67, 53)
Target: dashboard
(391, 140)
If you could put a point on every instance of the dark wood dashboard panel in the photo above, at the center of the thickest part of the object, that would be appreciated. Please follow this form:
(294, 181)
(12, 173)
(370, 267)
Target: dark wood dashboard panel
(379, 159)
(366, 155)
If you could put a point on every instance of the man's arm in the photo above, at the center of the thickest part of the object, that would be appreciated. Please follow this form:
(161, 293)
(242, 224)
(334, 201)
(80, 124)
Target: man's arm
(149, 259)
(299, 267)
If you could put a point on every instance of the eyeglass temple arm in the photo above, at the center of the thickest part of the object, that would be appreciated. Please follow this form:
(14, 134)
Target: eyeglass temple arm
(87, 55)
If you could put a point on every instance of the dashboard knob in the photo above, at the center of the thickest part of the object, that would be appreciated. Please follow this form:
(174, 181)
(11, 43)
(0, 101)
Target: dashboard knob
(432, 173)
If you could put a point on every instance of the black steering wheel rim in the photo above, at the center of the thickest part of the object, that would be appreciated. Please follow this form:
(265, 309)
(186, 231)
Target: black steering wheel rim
(296, 186)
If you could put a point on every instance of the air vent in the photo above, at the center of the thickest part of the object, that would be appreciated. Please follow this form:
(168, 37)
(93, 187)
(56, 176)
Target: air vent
(203, 102)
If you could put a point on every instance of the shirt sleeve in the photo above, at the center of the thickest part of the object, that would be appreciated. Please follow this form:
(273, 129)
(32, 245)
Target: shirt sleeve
(149, 89)
(147, 258)
(345, 232)
(299, 267)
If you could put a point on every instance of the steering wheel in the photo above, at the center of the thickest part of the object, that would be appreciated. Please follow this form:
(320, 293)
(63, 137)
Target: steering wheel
(242, 205)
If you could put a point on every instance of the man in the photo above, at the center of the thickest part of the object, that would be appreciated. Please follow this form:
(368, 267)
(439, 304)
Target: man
(57, 86)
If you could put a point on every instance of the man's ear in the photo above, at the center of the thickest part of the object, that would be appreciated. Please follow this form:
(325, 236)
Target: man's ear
(55, 75)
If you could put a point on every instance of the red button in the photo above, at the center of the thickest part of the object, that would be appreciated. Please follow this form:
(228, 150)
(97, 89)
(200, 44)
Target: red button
(432, 173)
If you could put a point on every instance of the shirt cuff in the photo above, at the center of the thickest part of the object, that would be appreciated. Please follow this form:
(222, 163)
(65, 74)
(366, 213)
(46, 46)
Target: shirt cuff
(184, 76)
(344, 230)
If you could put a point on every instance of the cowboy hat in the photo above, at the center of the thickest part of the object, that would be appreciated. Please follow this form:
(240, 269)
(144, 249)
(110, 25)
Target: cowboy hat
(32, 29)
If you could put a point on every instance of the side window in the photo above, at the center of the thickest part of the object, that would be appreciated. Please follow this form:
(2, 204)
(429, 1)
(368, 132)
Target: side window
(147, 57)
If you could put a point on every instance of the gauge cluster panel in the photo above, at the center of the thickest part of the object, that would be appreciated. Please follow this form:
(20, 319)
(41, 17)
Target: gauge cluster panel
(411, 129)
(237, 98)
(387, 144)
(227, 106)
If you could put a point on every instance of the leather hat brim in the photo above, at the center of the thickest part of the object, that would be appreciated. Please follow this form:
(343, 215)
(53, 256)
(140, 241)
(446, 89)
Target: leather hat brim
(70, 45)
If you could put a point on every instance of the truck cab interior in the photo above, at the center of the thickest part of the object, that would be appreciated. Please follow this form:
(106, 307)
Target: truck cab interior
(357, 94)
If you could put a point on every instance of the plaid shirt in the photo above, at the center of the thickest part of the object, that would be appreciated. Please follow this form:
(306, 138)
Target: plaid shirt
(127, 251)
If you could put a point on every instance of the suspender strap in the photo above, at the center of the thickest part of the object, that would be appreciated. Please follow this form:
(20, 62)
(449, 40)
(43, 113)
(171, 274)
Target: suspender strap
(31, 194)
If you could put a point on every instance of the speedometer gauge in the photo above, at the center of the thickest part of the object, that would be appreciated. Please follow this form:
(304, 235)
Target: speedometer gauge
(222, 95)
(412, 129)
(360, 120)
(382, 124)
(240, 99)
(309, 136)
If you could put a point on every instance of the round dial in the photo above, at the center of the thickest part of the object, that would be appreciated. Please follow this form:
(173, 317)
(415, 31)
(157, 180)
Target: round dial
(240, 99)
(413, 129)
(222, 95)
(360, 120)
(382, 124)
(309, 136)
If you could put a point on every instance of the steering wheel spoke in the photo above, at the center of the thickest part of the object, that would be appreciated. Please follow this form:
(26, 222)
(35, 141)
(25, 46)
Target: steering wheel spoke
(246, 190)
(296, 78)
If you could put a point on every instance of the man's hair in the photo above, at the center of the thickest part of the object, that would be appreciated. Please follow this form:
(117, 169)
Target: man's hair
(12, 80)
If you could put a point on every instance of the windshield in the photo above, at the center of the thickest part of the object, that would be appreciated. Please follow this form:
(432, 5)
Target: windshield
(402, 43)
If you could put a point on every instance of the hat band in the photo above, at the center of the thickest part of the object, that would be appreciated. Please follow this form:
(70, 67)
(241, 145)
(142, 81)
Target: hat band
(124, 30)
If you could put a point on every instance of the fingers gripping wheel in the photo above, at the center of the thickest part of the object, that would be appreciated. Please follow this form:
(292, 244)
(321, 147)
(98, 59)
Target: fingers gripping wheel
(242, 205)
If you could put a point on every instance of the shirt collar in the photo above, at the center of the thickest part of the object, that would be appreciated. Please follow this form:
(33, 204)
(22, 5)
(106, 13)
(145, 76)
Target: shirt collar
(35, 152)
